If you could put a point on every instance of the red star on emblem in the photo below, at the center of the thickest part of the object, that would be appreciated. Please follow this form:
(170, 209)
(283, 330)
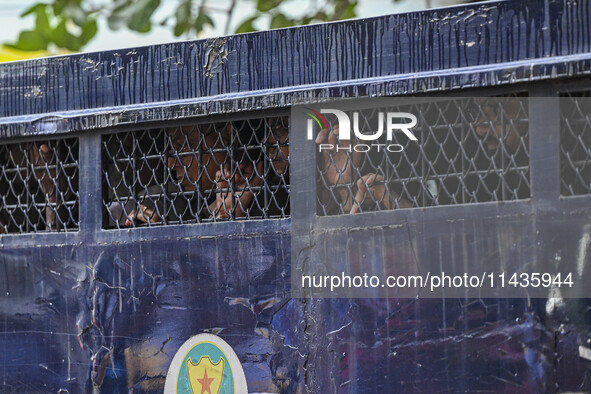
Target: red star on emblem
(205, 383)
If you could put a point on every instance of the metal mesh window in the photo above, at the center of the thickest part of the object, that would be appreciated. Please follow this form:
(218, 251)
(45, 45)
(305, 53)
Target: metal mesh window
(39, 186)
(235, 170)
(575, 144)
(469, 150)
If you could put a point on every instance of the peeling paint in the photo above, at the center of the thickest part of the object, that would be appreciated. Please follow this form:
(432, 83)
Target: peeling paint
(429, 51)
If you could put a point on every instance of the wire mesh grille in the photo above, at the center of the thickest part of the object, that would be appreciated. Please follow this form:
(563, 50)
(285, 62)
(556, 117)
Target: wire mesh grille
(39, 186)
(213, 172)
(469, 150)
(575, 144)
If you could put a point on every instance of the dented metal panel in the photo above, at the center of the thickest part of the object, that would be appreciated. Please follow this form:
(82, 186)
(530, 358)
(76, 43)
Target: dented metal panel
(114, 315)
(106, 311)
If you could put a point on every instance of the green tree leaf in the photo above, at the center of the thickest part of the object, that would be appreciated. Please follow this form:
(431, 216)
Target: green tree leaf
(89, 30)
(63, 38)
(183, 17)
(267, 5)
(280, 20)
(34, 9)
(349, 11)
(73, 12)
(30, 40)
(247, 26)
(135, 14)
(38, 38)
(202, 20)
(71, 24)
(344, 9)
(41, 18)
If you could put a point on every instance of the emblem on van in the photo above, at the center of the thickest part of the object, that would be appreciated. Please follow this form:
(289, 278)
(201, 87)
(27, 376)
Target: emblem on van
(205, 364)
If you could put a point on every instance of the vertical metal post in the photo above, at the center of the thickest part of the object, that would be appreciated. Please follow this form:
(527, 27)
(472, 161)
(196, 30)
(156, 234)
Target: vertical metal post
(302, 154)
(267, 161)
(303, 198)
(544, 142)
(505, 121)
(90, 169)
(201, 198)
(166, 197)
(27, 187)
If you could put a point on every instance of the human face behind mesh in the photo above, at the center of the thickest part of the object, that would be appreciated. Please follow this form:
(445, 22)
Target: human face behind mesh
(277, 139)
(189, 164)
(498, 122)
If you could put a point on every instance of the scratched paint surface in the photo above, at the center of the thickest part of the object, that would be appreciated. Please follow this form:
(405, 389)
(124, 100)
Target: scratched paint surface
(91, 311)
(112, 317)
(484, 45)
